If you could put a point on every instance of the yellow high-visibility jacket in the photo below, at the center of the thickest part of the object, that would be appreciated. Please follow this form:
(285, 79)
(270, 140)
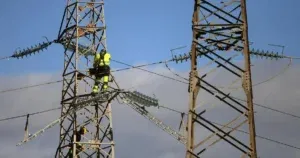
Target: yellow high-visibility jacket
(102, 59)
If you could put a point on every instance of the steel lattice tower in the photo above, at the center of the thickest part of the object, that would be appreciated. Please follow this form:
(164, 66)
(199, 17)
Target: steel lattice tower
(221, 26)
(83, 24)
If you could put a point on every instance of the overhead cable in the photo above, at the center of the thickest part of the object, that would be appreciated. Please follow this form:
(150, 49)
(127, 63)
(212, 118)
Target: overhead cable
(262, 137)
(31, 86)
(138, 67)
(273, 77)
(269, 108)
(25, 115)
(58, 81)
(282, 112)
(241, 131)
(158, 74)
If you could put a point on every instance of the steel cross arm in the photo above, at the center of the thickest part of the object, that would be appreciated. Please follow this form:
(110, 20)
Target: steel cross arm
(217, 15)
(79, 105)
(224, 6)
(207, 49)
(221, 10)
(154, 120)
(215, 32)
(210, 25)
(221, 42)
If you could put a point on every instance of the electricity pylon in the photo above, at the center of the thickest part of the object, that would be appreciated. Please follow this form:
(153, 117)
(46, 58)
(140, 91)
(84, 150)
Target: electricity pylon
(220, 26)
(82, 33)
(83, 23)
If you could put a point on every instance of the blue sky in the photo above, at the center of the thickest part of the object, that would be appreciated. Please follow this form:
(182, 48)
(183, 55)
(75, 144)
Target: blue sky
(137, 31)
(142, 31)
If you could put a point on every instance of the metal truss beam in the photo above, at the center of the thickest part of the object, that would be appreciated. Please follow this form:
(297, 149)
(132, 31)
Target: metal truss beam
(220, 26)
(140, 108)
(83, 24)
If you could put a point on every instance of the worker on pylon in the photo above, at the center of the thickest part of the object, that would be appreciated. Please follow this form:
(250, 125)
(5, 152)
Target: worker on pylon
(101, 70)
(79, 147)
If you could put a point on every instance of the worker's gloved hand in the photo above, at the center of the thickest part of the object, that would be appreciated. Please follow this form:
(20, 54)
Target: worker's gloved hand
(92, 71)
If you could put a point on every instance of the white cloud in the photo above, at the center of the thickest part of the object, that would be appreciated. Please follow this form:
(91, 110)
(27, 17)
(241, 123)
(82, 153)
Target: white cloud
(136, 136)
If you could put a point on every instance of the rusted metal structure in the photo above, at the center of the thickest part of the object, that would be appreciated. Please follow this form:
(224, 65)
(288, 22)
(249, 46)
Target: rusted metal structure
(83, 24)
(220, 26)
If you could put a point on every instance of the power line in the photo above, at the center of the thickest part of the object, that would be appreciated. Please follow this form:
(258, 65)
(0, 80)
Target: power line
(121, 69)
(58, 81)
(3, 58)
(256, 84)
(273, 77)
(160, 106)
(171, 109)
(31, 86)
(262, 137)
(290, 57)
(269, 108)
(35, 113)
(279, 111)
(139, 67)
(241, 131)
(158, 74)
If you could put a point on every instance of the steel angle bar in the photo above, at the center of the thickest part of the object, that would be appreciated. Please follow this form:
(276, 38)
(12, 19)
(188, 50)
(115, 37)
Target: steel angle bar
(215, 60)
(224, 6)
(221, 42)
(220, 130)
(154, 120)
(227, 133)
(205, 48)
(216, 14)
(221, 99)
(212, 25)
(221, 10)
(76, 106)
(220, 92)
(230, 131)
(219, 27)
(223, 127)
(225, 139)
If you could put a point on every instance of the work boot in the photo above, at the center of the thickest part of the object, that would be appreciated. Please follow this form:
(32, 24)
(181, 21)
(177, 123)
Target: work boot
(95, 90)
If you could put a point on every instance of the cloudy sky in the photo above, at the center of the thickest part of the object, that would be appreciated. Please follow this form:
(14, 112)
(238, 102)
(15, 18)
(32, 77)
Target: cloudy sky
(134, 135)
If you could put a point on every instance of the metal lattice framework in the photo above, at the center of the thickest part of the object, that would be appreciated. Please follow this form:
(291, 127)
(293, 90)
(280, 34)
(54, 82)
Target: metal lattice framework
(83, 24)
(218, 26)
(219, 35)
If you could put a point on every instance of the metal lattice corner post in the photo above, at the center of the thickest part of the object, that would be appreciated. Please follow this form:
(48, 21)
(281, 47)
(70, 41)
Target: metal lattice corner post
(193, 90)
(83, 24)
(247, 81)
(221, 26)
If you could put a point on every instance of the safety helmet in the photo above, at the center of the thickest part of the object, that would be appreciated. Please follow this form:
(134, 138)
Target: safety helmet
(83, 130)
(103, 51)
